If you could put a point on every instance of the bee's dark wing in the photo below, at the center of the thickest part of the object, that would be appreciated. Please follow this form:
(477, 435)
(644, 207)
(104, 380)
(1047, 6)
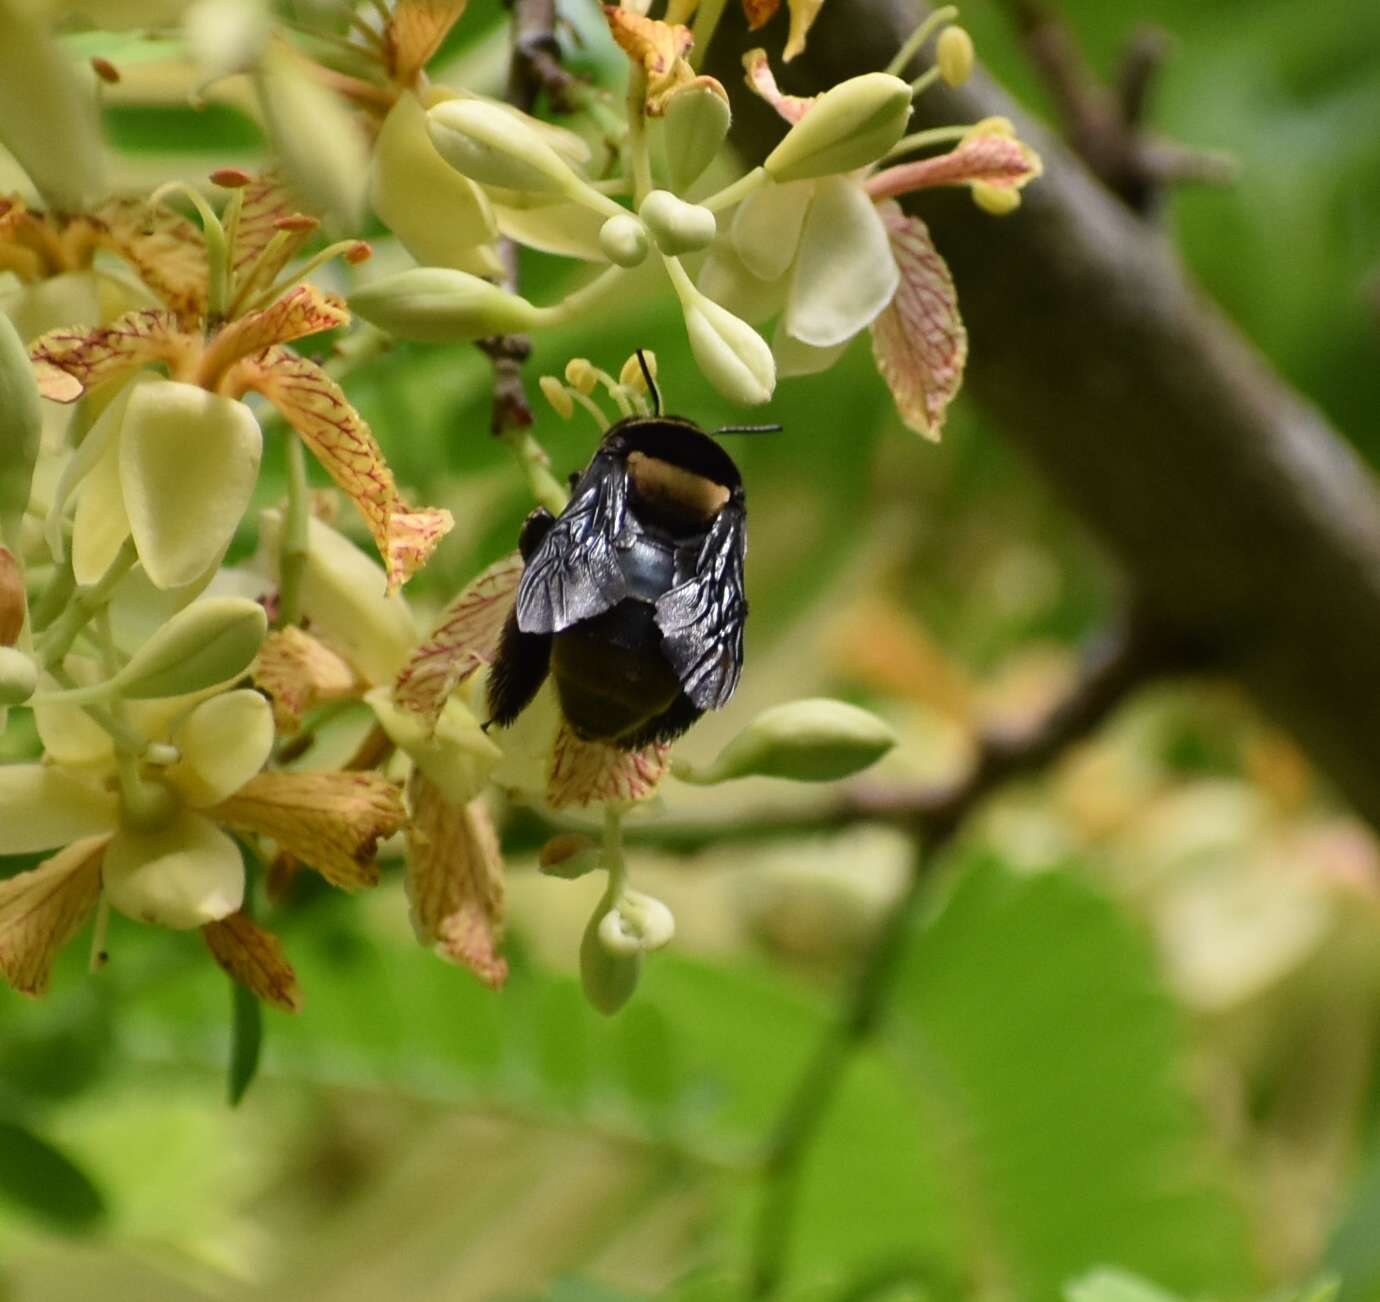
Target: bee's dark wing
(701, 619)
(574, 573)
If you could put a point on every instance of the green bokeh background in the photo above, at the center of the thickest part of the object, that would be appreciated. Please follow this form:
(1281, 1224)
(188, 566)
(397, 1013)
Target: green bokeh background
(1137, 1027)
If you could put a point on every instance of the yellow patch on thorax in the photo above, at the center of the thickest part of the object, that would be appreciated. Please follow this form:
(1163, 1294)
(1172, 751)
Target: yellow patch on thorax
(663, 484)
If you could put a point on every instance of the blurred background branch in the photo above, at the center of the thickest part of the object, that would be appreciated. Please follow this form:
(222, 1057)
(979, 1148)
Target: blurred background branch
(1238, 515)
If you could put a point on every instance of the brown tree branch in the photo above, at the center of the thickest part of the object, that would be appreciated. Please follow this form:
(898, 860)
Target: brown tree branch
(1237, 513)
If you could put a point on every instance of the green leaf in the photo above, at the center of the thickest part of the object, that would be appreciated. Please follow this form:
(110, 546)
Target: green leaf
(246, 1041)
(1035, 1027)
(44, 1181)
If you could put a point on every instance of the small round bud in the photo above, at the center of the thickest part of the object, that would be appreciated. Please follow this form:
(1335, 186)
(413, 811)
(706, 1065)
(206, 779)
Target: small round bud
(608, 979)
(806, 741)
(954, 55)
(18, 677)
(624, 240)
(677, 226)
(556, 394)
(999, 200)
(637, 924)
(568, 855)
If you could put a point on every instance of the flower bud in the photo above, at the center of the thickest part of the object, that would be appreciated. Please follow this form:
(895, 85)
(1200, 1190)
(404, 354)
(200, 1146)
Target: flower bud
(569, 855)
(321, 146)
(18, 677)
(441, 305)
(494, 146)
(188, 463)
(21, 426)
(953, 54)
(677, 226)
(439, 216)
(693, 131)
(184, 875)
(733, 357)
(608, 979)
(637, 924)
(212, 641)
(624, 240)
(850, 125)
(999, 200)
(805, 741)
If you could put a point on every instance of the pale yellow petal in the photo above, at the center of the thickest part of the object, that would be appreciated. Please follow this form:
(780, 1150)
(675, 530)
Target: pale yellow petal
(183, 875)
(43, 806)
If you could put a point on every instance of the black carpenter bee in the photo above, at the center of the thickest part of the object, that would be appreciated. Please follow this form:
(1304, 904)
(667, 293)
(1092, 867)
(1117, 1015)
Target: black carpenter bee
(632, 598)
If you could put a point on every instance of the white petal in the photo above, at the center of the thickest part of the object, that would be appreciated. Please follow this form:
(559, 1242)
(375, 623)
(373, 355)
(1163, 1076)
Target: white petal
(188, 464)
(43, 806)
(766, 228)
(796, 358)
(845, 273)
(100, 526)
(185, 875)
(224, 742)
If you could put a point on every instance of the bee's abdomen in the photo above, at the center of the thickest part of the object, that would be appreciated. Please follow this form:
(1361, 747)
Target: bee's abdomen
(611, 675)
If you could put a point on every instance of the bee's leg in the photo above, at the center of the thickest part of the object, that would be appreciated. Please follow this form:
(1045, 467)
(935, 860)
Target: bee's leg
(519, 670)
(534, 529)
(664, 727)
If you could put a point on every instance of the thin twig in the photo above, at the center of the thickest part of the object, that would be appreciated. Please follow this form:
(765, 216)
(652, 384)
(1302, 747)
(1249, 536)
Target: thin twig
(1114, 667)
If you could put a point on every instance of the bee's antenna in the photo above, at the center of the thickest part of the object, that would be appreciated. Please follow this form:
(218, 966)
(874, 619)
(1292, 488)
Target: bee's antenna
(651, 383)
(749, 429)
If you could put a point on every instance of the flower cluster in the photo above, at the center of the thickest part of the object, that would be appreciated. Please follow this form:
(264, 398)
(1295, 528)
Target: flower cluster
(149, 343)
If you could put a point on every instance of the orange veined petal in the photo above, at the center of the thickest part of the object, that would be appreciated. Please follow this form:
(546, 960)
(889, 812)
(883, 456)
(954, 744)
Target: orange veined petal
(254, 958)
(332, 822)
(42, 909)
(991, 156)
(659, 47)
(68, 362)
(414, 33)
(919, 341)
(303, 310)
(592, 772)
(269, 210)
(762, 82)
(465, 639)
(316, 407)
(166, 250)
(455, 880)
(298, 672)
(759, 12)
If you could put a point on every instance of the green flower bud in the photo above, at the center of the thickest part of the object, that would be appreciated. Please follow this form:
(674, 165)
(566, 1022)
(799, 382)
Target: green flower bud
(804, 741)
(494, 146)
(693, 130)
(953, 54)
(608, 979)
(441, 305)
(624, 240)
(18, 677)
(850, 125)
(21, 426)
(734, 358)
(212, 641)
(677, 226)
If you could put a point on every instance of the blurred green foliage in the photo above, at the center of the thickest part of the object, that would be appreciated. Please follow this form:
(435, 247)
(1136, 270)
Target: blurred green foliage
(1054, 1109)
